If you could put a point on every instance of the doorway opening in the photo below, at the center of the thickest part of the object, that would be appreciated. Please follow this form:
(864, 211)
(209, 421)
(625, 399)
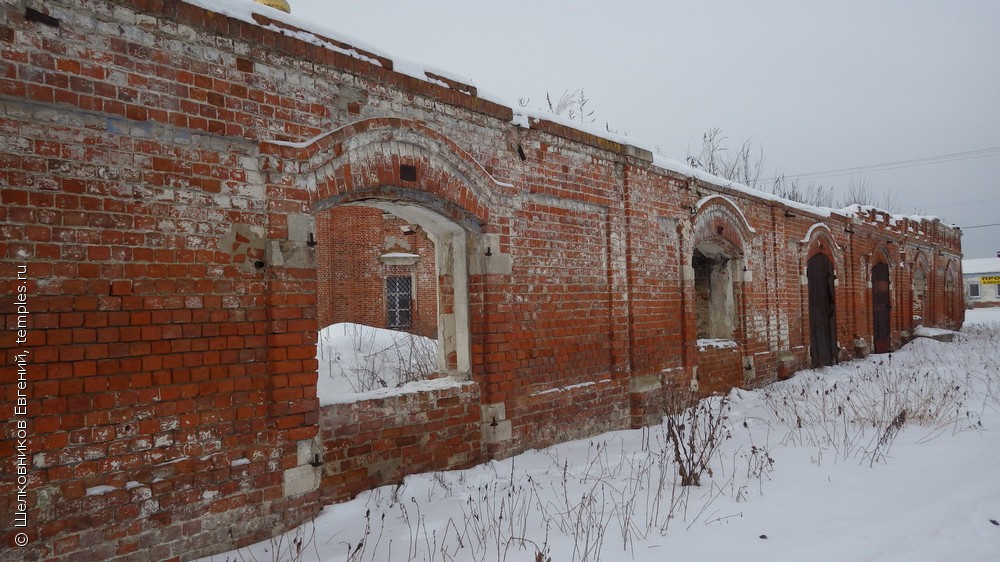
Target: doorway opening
(881, 328)
(822, 311)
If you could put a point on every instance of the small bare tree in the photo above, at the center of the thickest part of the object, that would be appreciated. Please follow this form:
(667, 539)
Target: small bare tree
(812, 194)
(742, 165)
(573, 105)
(859, 192)
(695, 429)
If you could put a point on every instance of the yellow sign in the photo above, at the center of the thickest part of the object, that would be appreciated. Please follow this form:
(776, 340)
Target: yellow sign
(990, 279)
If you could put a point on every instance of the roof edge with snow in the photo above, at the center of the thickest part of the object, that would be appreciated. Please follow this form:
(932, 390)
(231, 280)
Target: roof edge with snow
(299, 37)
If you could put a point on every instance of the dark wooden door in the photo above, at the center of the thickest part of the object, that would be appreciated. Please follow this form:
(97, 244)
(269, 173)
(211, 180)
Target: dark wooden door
(880, 307)
(822, 311)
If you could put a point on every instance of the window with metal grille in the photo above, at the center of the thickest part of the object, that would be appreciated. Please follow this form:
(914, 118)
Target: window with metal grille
(398, 299)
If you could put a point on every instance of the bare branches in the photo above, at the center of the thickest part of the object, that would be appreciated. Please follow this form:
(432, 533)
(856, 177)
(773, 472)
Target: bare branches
(572, 105)
(696, 433)
(744, 166)
(859, 192)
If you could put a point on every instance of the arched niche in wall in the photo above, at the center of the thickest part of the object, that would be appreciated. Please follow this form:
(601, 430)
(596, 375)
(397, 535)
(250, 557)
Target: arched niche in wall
(718, 248)
(919, 283)
(954, 302)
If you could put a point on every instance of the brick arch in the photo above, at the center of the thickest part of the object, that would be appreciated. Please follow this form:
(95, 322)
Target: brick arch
(363, 160)
(919, 303)
(718, 220)
(819, 296)
(954, 303)
(819, 240)
(922, 263)
(444, 190)
(881, 255)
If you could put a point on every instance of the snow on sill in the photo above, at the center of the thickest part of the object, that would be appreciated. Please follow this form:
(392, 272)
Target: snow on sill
(100, 490)
(717, 344)
(239, 462)
(175, 461)
(408, 388)
(400, 255)
(570, 387)
(133, 484)
(924, 332)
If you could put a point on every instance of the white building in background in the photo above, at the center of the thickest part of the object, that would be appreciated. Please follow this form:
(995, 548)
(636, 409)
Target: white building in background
(981, 281)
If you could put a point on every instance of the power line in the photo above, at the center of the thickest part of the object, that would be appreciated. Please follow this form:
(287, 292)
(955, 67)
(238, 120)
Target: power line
(979, 226)
(926, 161)
(953, 204)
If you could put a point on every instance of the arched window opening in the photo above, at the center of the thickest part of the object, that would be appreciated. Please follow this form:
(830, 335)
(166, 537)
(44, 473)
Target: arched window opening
(715, 306)
(919, 292)
(392, 299)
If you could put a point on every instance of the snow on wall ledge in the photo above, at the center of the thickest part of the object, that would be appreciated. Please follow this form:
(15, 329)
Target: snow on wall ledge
(317, 34)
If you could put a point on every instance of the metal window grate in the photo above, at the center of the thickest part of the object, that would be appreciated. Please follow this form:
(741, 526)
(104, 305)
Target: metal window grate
(398, 297)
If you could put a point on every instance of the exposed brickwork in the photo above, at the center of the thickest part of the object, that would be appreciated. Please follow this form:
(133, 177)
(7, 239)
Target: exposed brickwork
(167, 225)
(719, 369)
(351, 272)
(379, 441)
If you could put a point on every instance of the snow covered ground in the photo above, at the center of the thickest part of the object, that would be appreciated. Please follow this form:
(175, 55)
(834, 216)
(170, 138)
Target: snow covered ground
(355, 360)
(894, 457)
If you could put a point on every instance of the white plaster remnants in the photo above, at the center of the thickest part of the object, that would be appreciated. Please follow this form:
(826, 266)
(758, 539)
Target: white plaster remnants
(570, 387)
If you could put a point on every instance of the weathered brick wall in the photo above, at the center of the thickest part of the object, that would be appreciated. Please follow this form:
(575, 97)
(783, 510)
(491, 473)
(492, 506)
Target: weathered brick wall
(719, 369)
(351, 273)
(378, 441)
(163, 168)
(350, 284)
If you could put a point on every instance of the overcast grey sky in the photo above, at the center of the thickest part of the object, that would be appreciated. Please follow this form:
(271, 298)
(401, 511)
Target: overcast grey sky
(819, 86)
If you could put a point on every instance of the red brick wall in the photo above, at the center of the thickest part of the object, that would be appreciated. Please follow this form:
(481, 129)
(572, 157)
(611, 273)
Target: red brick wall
(351, 287)
(719, 370)
(351, 274)
(164, 218)
(427, 430)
